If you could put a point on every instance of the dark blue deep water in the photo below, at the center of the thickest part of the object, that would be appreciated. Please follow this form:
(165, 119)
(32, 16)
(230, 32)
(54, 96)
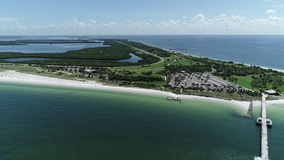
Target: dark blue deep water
(266, 51)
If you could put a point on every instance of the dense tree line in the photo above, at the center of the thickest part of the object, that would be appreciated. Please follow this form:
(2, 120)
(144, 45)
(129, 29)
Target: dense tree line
(228, 69)
(130, 78)
(107, 63)
(263, 81)
(238, 70)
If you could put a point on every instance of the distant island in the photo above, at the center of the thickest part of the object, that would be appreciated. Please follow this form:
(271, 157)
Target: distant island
(159, 69)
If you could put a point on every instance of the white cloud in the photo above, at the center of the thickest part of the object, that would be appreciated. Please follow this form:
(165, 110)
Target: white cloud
(19, 26)
(93, 21)
(275, 18)
(233, 24)
(75, 20)
(199, 16)
(200, 24)
(37, 27)
(270, 11)
(184, 17)
(76, 24)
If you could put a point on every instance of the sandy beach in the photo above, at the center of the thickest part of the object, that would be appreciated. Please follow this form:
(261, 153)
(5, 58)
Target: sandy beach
(17, 77)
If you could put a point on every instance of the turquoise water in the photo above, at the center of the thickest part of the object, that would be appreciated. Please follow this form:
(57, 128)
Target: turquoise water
(63, 123)
(276, 134)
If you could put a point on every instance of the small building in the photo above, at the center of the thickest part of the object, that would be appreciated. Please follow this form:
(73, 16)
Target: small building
(90, 70)
(270, 92)
(71, 69)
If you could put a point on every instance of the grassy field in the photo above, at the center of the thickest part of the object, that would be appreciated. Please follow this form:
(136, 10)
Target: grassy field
(173, 60)
(244, 81)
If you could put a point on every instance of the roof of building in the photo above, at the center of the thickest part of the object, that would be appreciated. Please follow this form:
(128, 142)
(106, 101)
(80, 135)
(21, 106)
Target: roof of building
(271, 91)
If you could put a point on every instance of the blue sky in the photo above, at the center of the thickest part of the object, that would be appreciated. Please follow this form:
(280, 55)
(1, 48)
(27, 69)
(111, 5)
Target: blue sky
(126, 17)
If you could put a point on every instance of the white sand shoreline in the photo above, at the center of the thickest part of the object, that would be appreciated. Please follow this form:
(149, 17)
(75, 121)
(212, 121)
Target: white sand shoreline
(17, 77)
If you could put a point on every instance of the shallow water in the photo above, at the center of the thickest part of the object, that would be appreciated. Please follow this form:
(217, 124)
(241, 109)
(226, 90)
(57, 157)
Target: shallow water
(65, 123)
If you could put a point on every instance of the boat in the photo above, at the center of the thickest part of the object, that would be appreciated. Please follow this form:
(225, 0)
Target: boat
(269, 122)
(259, 121)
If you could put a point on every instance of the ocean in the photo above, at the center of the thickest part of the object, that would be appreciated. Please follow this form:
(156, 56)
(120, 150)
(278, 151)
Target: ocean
(265, 51)
(44, 122)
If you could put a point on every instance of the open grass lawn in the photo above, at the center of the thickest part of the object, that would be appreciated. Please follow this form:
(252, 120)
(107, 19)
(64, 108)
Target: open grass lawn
(281, 88)
(154, 68)
(244, 81)
(173, 60)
